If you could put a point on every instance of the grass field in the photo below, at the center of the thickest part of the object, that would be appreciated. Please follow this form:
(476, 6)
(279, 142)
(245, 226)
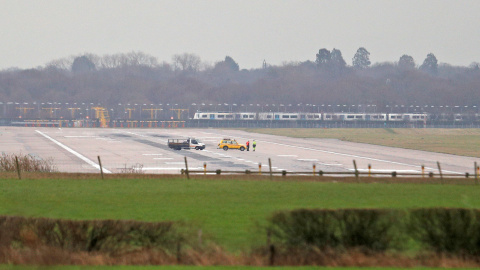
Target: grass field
(230, 211)
(464, 142)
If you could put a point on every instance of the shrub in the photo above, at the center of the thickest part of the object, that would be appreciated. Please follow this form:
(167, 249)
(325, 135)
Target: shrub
(109, 236)
(27, 163)
(451, 230)
(370, 229)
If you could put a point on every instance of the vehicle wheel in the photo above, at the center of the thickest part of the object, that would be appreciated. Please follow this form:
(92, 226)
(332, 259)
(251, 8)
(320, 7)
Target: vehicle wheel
(242, 148)
(225, 148)
(178, 149)
(196, 147)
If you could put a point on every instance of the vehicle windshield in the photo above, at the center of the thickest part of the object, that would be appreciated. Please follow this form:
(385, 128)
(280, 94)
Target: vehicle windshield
(195, 141)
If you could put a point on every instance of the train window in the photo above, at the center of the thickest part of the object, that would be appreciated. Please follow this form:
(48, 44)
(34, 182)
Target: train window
(328, 117)
(229, 116)
(250, 116)
(349, 116)
(310, 116)
(293, 116)
(204, 116)
(316, 116)
(221, 116)
(244, 116)
(285, 116)
(269, 116)
(358, 117)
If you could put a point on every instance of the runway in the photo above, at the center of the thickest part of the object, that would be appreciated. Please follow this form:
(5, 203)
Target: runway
(146, 150)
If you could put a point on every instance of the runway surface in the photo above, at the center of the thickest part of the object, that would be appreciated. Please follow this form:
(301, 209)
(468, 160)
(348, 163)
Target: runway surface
(121, 150)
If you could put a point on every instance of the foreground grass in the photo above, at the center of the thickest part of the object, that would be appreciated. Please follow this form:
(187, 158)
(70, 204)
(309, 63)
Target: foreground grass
(464, 142)
(230, 211)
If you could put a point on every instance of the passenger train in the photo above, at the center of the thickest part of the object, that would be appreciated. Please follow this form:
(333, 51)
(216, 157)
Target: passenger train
(285, 116)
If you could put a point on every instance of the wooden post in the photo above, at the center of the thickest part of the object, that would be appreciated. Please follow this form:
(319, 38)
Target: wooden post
(259, 168)
(314, 169)
(475, 171)
(423, 171)
(100, 164)
(440, 171)
(204, 168)
(369, 170)
(186, 168)
(356, 171)
(270, 166)
(18, 167)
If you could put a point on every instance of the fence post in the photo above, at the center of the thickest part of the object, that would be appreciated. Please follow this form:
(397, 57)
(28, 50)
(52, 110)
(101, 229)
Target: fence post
(204, 168)
(423, 171)
(100, 164)
(356, 171)
(18, 167)
(475, 171)
(270, 166)
(440, 171)
(314, 169)
(369, 170)
(259, 168)
(186, 168)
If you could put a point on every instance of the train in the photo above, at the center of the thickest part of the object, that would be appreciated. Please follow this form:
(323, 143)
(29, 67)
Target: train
(288, 116)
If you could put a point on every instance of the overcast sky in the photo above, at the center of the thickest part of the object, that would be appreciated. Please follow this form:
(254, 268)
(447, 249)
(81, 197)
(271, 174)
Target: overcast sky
(35, 32)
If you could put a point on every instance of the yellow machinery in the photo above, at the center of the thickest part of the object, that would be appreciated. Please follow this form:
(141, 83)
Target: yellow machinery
(25, 110)
(51, 111)
(152, 111)
(72, 111)
(179, 112)
(102, 115)
(130, 112)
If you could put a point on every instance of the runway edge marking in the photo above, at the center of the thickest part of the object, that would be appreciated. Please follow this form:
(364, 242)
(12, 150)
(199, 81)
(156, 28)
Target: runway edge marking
(80, 156)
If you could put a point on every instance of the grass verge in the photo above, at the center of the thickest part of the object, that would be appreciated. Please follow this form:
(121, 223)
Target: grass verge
(464, 142)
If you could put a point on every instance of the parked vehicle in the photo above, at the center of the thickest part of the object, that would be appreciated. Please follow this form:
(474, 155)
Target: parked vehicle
(190, 143)
(226, 144)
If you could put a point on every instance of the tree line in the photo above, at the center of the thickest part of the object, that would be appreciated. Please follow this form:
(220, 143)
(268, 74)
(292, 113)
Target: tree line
(137, 77)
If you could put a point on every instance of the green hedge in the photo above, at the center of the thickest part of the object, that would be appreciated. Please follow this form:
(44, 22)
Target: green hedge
(372, 229)
(442, 230)
(96, 235)
(447, 230)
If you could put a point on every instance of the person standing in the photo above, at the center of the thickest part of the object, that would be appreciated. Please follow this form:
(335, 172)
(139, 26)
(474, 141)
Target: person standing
(248, 145)
(254, 145)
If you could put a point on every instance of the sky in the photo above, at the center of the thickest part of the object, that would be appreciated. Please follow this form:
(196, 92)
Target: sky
(35, 32)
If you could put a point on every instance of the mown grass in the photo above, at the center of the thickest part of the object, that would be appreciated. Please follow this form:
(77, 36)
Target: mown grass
(230, 211)
(464, 142)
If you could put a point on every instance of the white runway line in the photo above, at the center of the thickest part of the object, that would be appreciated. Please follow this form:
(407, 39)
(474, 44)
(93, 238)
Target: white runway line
(152, 154)
(163, 158)
(350, 155)
(307, 159)
(80, 136)
(329, 164)
(168, 169)
(88, 161)
(386, 171)
(286, 155)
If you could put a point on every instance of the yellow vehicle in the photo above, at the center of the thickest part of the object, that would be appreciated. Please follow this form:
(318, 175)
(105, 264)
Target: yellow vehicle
(226, 144)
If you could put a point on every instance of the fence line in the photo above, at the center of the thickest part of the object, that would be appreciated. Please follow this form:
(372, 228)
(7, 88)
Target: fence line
(355, 172)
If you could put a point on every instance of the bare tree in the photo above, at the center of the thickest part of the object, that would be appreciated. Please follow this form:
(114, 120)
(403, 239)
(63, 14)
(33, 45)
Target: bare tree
(186, 62)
